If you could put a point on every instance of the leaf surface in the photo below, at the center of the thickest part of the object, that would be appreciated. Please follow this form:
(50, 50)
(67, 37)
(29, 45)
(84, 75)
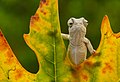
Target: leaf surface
(10, 68)
(45, 40)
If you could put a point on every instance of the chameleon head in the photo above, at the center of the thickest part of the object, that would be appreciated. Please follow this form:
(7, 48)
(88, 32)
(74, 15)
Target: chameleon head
(77, 25)
(81, 21)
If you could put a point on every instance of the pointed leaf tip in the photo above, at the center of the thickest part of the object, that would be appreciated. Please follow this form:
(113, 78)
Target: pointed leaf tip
(105, 27)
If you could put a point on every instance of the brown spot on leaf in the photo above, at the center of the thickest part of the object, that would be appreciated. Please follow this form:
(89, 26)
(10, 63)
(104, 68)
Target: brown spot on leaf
(89, 63)
(1, 35)
(107, 68)
(77, 67)
(34, 19)
(44, 1)
(117, 35)
(43, 12)
(85, 77)
(75, 73)
(3, 42)
(19, 74)
(96, 54)
(9, 58)
(111, 61)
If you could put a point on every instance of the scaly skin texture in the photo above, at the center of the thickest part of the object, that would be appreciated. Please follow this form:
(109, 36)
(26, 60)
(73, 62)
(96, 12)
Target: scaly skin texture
(78, 45)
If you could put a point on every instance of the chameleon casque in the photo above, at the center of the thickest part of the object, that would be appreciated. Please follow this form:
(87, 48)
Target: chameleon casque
(78, 43)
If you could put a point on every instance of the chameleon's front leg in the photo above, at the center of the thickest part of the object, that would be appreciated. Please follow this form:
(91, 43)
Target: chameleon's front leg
(89, 46)
(65, 36)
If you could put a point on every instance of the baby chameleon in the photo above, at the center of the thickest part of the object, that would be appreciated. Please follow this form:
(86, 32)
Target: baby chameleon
(78, 43)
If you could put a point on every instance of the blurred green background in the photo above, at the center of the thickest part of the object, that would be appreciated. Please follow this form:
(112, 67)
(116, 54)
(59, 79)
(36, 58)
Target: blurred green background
(15, 17)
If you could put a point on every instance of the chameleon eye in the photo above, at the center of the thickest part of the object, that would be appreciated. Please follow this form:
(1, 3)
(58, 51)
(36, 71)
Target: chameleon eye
(70, 22)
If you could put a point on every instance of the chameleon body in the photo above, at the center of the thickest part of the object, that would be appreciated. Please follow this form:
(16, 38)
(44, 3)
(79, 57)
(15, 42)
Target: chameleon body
(78, 43)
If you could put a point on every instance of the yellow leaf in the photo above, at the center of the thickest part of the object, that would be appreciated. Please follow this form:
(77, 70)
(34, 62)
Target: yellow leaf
(10, 68)
(46, 41)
